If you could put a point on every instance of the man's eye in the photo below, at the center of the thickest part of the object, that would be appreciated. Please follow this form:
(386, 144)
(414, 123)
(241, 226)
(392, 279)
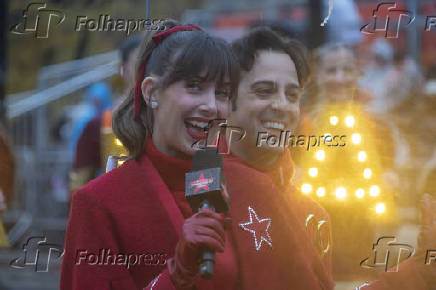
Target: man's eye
(293, 97)
(264, 92)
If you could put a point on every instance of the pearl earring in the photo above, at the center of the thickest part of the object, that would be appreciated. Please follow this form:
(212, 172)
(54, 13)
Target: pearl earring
(153, 105)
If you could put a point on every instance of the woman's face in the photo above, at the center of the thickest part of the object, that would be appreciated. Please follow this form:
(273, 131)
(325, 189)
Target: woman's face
(184, 111)
(337, 74)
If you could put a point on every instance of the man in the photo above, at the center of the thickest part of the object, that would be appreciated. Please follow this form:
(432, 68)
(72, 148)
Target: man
(273, 76)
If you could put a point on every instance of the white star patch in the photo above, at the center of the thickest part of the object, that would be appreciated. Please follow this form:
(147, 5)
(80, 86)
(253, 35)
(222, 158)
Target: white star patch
(259, 235)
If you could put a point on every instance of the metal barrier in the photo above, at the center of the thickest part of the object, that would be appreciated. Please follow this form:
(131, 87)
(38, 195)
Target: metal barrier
(43, 166)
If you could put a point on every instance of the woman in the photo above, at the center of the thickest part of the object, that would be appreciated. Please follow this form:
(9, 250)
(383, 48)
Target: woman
(133, 228)
(127, 229)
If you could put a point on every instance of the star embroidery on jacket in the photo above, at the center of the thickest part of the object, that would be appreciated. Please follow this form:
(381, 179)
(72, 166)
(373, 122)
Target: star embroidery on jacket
(259, 229)
(201, 183)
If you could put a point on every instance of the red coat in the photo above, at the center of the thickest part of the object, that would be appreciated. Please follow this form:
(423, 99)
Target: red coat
(131, 211)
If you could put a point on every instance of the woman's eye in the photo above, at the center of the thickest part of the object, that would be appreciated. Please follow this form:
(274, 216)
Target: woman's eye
(223, 94)
(193, 85)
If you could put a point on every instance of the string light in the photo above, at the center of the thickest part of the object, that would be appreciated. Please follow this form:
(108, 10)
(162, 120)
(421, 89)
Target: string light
(341, 192)
(320, 155)
(320, 191)
(349, 121)
(361, 156)
(380, 208)
(367, 173)
(374, 190)
(334, 120)
(306, 188)
(356, 138)
(118, 142)
(360, 193)
(313, 172)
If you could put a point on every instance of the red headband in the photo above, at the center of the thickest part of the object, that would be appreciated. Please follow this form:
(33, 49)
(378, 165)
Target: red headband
(157, 38)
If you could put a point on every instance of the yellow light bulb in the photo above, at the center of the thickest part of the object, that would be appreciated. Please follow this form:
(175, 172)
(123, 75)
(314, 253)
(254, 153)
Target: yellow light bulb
(356, 138)
(118, 142)
(320, 191)
(374, 190)
(361, 156)
(120, 162)
(341, 192)
(380, 208)
(306, 188)
(334, 120)
(349, 121)
(360, 193)
(320, 155)
(367, 173)
(313, 172)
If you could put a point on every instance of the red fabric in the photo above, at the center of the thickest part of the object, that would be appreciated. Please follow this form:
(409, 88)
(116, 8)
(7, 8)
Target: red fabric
(172, 171)
(130, 210)
(88, 147)
(158, 37)
(292, 261)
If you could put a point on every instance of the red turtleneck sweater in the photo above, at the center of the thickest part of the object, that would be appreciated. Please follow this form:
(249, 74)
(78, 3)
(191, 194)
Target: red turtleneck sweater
(172, 171)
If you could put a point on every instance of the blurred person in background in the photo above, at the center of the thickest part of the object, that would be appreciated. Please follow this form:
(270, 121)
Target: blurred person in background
(97, 140)
(338, 109)
(97, 99)
(343, 25)
(7, 179)
(377, 77)
(7, 170)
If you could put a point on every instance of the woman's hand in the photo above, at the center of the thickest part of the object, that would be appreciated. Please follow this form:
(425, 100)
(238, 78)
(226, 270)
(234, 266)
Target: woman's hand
(204, 229)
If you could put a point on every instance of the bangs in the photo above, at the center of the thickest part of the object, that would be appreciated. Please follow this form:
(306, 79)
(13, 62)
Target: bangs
(206, 57)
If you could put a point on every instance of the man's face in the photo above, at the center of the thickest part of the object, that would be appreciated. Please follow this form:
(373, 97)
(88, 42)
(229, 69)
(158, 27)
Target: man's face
(268, 100)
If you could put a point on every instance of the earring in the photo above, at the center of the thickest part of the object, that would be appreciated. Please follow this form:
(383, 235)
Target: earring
(154, 105)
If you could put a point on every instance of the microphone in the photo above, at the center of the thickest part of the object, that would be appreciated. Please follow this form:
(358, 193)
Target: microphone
(206, 188)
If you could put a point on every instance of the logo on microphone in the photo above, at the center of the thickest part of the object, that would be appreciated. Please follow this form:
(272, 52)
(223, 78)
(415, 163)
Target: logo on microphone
(201, 183)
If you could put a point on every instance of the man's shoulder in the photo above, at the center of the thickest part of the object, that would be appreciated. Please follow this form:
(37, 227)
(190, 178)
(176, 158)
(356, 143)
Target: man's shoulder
(309, 206)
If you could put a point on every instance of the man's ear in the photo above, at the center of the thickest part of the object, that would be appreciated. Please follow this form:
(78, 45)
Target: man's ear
(148, 88)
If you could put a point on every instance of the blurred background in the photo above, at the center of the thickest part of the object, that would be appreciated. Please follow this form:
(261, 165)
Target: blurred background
(373, 85)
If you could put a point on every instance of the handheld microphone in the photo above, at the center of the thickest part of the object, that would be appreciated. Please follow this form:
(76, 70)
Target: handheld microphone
(205, 188)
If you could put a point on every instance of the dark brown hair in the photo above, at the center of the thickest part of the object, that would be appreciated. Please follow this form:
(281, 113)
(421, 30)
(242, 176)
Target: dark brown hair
(180, 56)
(263, 38)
